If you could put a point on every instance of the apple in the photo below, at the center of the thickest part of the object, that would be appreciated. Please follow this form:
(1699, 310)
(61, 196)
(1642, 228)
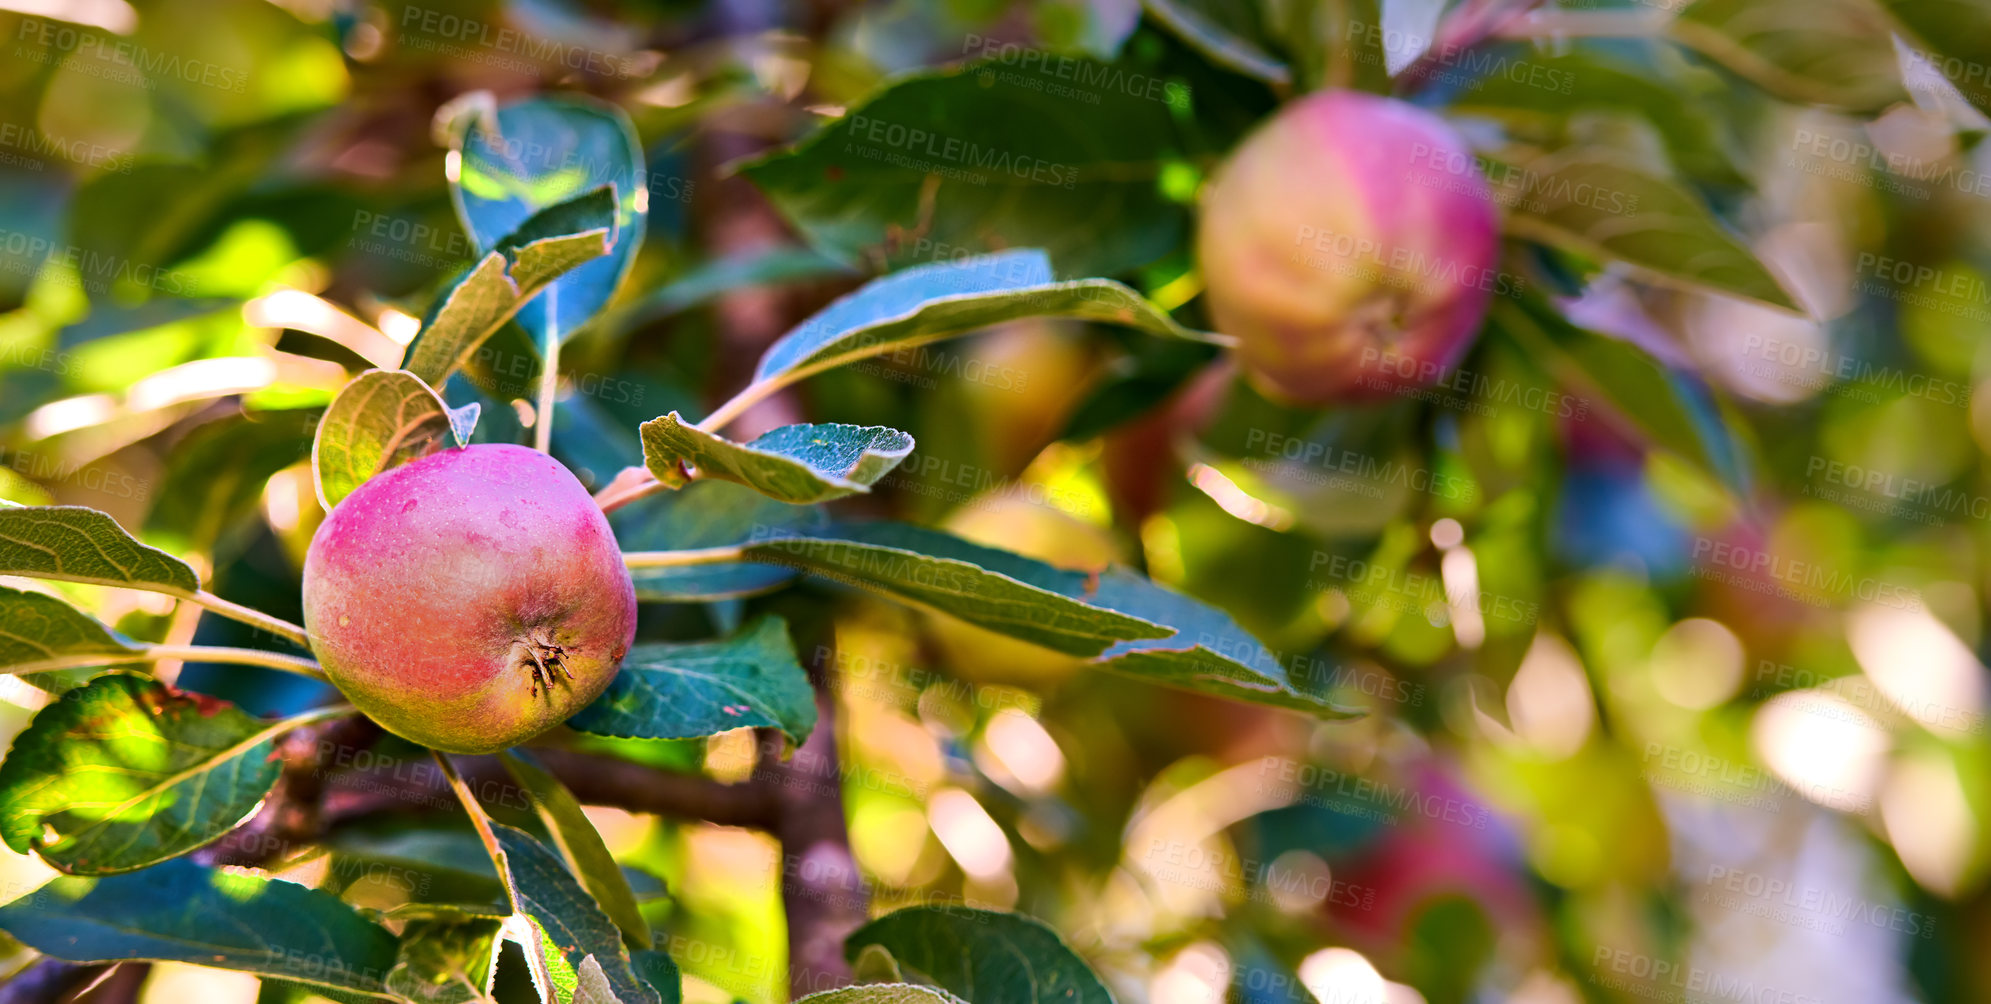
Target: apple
(469, 600)
(1350, 246)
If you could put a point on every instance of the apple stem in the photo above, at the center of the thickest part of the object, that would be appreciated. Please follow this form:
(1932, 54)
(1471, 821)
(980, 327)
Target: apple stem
(680, 559)
(189, 653)
(549, 374)
(252, 617)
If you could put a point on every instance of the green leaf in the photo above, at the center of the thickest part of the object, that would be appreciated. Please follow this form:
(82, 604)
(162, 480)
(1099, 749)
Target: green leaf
(798, 464)
(1638, 386)
(974, 158)
(380, 419)
(657, 969)
(125, 772)
(546, 246)
(548, 150)
(982, 955)
(882, 993)
(1598, 203)
(1955, 37)
(927, 303)
(180, 912)
(35, 627)
(1004, 592)
(446, 961)
(682, 690)
(83, 545)
(1227, 34)
(1838, 53)
(1209, 653)
(580, 845)
(216, 475)
(707, 514)
(570, 924)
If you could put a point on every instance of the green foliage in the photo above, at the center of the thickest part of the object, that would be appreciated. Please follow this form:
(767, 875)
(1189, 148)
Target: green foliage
(797, 464)
(125, 773)
(687, 690)
(979, 955)
(382, 418)
(82, 545)
(167, 913)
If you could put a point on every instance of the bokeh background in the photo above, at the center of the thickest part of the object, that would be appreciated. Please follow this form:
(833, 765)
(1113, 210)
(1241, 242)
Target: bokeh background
(1637, 730)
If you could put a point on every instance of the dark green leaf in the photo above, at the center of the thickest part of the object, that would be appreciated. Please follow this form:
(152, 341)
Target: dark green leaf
(682, 690)
(996, 155)
(36, 627)
(927, 303)
(83, 545)
(982, 955)
(380, 419)
(1956, 41)
(446, 961)
(1639, 387)
(545, 247)
(548, 150)
(571, 925)
(580, 844)
(181, 912)
(707, 514)
(1600, 203)
(998, 590)
(124, 773)
(657, 969)
(1225, 33)
(770, 266)
(798, 464)
(1208, 654)
(1838, 53)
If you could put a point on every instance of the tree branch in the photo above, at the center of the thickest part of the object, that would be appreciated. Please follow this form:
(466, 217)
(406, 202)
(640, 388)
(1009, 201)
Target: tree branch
(611, 781)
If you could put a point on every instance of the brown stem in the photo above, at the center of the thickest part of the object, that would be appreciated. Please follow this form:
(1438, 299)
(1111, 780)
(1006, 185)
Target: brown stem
(822, 892)
(603, 780)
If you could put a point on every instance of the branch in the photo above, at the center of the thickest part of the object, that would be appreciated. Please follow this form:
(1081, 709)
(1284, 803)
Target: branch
(611, 781)
(822, 890)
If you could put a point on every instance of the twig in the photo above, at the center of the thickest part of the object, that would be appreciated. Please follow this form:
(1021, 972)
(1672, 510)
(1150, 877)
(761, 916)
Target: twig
(254, 618)
(190, 653)
(682, 559)
(549, 373)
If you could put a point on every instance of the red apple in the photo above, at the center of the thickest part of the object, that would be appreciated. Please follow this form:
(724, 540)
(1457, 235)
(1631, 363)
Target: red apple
(469, 600)
(1350, 245)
